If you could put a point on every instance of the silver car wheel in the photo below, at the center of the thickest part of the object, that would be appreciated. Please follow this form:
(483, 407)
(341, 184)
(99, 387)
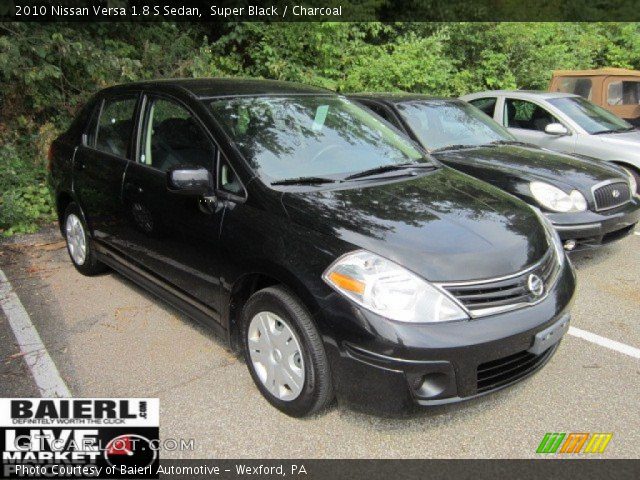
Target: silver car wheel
(76, 239)
(276, 355)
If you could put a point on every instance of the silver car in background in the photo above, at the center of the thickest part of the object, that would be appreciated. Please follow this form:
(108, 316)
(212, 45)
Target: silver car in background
(564, 122)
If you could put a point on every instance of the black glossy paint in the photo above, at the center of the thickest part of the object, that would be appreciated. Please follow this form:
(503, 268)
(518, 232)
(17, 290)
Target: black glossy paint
(513, 167)
(206, 254)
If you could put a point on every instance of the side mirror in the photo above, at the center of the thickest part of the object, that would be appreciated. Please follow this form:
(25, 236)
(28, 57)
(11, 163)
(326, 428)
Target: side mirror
(556, 129)
(187, 180)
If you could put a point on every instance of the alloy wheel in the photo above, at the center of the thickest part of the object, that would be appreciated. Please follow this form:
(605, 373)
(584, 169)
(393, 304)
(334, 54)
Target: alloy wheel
(76, 239)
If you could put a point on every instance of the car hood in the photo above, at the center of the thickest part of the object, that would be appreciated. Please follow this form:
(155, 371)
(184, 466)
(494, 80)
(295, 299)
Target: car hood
(533, 163)
(443, 225)
(624, 139)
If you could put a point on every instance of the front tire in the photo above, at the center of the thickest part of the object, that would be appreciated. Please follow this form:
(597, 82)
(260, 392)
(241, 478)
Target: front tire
(79, 243)
(284, 353)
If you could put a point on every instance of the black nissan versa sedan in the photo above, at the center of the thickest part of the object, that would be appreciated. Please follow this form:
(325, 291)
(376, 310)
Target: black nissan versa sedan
(589, 202)
(336, 254)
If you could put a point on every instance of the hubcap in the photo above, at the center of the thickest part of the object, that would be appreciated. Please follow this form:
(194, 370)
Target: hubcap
(76, 239)
(276, 355)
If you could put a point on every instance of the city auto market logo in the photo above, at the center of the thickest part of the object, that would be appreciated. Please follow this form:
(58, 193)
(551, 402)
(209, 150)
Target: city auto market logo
(573, 443)
(79, 438)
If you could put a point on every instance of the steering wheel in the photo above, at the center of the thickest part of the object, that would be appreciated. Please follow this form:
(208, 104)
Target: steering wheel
(323, 151)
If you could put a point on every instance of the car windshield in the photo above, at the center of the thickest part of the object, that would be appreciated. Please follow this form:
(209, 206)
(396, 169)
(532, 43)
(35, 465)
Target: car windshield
(444, 123)
(589, 116)
(311, 136)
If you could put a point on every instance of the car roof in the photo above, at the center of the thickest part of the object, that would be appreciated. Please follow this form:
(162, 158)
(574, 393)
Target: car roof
(395, 97)
(523, 94)
(227, 87)
(597, 72)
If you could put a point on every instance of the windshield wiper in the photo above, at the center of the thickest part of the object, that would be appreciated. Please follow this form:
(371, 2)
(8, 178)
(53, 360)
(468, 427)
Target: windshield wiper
(625, 129)
(304, 181)
(458, 146)
(619, 130)
(388, 168)
(509, 142)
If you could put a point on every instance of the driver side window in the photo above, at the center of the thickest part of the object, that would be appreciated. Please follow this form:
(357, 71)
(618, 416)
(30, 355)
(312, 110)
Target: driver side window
(172, 137)
(526, 115)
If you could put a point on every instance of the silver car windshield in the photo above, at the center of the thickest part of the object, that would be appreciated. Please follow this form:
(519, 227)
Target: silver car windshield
(444, 123)
(311, 136)
(590, 117)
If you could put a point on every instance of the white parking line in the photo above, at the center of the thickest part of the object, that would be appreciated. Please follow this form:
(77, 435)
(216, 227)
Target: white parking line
(605, 342)
(637, 233)
(44, 371)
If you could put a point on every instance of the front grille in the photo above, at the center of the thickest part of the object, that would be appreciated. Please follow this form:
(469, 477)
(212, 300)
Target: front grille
(486, 297)
(501, 372)
(611, 195)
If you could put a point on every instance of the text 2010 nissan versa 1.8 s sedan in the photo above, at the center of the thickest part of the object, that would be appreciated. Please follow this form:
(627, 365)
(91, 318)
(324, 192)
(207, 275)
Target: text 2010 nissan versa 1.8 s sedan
(339, 257)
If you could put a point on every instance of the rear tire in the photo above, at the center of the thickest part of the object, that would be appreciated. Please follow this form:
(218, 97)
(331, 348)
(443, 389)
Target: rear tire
(284, 353)
(79, 244)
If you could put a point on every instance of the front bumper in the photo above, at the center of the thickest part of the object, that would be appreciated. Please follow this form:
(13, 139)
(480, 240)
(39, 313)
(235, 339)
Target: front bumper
(389, 366)
(593, 229)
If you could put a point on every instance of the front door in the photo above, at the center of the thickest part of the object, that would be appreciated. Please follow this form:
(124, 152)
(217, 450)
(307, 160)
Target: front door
(527, 121)
(100, 162)
(171, 235)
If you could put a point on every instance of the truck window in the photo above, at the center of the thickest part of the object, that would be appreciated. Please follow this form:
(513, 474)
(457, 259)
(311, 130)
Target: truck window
(577, 85)
(624, 92)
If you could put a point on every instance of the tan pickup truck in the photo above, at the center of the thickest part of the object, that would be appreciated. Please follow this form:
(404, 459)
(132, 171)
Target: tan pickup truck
(616, 89)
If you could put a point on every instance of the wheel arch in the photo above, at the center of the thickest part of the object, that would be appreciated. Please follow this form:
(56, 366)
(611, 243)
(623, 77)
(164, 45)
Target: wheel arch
(627, 165)
(635, 170)
(249, 283)
(63, 199)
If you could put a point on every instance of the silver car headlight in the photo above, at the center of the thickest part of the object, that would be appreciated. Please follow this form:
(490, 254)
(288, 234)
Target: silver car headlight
(557, 200)
(390, 290)
(552, 236)
(633, 185)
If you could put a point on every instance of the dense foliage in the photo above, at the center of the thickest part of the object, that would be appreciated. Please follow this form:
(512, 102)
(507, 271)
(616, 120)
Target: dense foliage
(48, 70)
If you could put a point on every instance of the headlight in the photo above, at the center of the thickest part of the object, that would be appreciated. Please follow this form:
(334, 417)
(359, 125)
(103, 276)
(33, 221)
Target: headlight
(557, 200)
(390, 290)
(552, 235)
(633, 185)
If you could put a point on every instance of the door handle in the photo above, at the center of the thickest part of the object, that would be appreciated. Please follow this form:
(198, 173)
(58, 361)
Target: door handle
(79, 164)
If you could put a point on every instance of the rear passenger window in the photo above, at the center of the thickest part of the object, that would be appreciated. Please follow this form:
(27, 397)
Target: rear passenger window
(115, 125)
(487, 105)
(173, 137)
(92, 126)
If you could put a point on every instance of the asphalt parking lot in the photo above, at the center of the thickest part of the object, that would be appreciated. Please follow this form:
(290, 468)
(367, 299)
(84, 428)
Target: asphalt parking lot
(109, 338)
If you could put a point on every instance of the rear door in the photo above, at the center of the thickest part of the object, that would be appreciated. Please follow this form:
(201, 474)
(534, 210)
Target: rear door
(527, 121)
(171, 235)
(100, 163)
